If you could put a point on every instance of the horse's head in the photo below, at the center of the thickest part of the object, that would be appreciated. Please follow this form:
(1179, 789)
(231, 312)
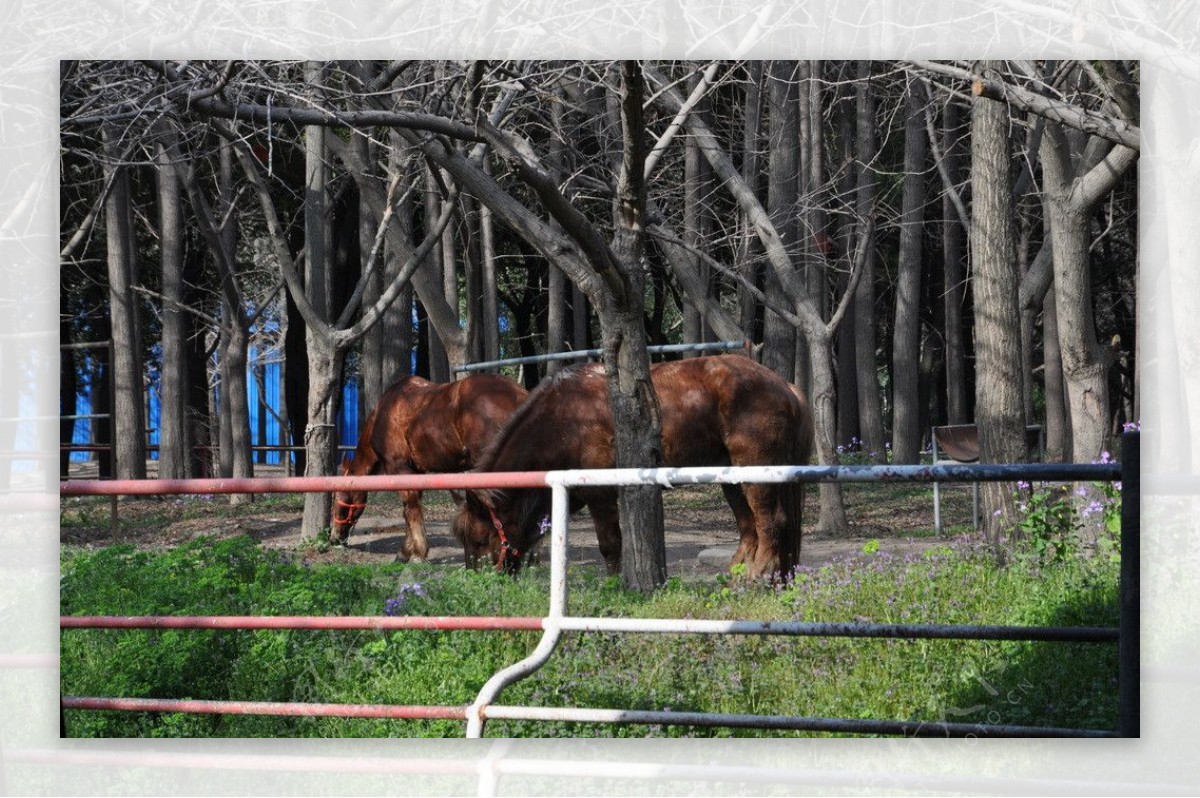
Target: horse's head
(347, 507)
(505, 526)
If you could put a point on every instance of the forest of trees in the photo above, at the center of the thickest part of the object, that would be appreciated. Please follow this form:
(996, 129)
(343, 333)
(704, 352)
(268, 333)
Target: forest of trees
(913, 243)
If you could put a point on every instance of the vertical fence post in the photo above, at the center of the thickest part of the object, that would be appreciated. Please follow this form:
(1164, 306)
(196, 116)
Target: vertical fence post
(1129, 648)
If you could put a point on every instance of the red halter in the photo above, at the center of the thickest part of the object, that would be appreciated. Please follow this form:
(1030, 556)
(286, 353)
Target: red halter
(348, 505)
(505, 546)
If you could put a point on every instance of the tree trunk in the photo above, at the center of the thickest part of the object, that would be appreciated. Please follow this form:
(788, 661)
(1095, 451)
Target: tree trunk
(779, 336)
(998, 391)
(375, 342)
(234, 358)
(906, 339)
(1073, 186)
(491, 305)
(695, 228)
(556, 316)
(955, 284)
(439, 367)
(324, 362)
(1057, 438)
(128, 412)
(870, 410)
(749, 248)
(631, 393)
(823, 399)
(174, 449)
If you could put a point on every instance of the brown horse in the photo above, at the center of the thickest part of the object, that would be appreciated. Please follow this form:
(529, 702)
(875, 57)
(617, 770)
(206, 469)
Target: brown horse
(716, 411)
(423, 427)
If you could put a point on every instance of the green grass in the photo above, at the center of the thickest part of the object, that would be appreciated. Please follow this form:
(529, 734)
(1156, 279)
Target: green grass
(1070, 685)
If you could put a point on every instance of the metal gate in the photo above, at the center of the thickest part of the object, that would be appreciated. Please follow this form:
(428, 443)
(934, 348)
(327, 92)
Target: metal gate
(558, 621)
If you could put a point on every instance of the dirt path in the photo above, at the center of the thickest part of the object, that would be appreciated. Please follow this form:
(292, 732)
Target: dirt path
(700, 534)
(692, 549)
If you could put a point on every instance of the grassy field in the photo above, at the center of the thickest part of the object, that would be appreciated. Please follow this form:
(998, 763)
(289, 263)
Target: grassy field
(954, 581)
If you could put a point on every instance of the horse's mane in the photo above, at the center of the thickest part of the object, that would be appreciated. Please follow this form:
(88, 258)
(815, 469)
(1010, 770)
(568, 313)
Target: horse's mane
(531, 405)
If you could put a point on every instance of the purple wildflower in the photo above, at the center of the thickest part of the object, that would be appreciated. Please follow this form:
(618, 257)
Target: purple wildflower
(399, 604)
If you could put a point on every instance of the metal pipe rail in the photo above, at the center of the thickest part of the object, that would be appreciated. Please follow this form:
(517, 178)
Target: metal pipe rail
(585, 354)
(558, 621)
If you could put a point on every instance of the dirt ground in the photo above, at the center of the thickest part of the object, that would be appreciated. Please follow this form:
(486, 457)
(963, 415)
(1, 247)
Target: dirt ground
(700, 533)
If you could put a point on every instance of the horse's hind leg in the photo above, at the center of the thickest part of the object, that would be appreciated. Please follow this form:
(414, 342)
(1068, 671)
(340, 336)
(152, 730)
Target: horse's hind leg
(770, 521)
(416, 545)
(747, 533)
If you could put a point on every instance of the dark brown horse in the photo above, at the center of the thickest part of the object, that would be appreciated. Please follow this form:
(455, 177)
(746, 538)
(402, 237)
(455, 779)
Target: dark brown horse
(423, 427)
(716, 411)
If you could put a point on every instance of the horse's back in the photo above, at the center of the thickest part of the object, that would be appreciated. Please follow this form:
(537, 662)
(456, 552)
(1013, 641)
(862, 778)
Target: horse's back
(725, 409)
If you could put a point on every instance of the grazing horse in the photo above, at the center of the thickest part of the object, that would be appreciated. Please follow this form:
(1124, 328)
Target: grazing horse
(422, 427)
(716, 411)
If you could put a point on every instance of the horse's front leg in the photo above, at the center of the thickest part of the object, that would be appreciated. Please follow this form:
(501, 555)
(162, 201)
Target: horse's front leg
(416, 544)
(608, 533)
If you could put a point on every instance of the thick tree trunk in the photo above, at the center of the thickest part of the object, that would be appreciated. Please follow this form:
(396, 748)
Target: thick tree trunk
(234, 358)
(906, 340)
(779, 336)
(823, 399)
(174, 449)
(998, 380)
(1085, 363)
(320, 436)
(870, 406)
(1073, 186)
(638, 439)
(129, 436)
(324, 361)
(955, 290)
(374, 343)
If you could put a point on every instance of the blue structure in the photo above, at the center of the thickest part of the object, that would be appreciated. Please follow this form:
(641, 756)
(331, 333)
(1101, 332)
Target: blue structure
(271, 397)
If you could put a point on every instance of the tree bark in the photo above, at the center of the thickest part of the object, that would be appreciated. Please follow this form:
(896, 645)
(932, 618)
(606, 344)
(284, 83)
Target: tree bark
(695, 229)
(954, 237)
(749, 248)
(779, 337)
(1057, 430)
(870, 407)
(324, 362)
(906, 339)
(234, 359)
(1073, 187)
(634, 403)
(128, 411)
(174, 438)
(998, 380)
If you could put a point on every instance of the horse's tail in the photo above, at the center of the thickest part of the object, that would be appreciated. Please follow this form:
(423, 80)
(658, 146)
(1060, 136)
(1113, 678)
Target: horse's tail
(800, 453)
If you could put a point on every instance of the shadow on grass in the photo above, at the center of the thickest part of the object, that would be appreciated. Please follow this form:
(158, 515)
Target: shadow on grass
(1045, 684)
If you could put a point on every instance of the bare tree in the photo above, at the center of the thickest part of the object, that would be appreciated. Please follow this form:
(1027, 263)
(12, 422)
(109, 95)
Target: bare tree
(906, 338)
(175, 445)
(998, 379)
(870, 407)
(1077, 176)
(129, 431)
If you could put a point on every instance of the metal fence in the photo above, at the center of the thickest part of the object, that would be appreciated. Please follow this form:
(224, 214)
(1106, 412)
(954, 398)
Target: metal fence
(587, 354)
(558, 621)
